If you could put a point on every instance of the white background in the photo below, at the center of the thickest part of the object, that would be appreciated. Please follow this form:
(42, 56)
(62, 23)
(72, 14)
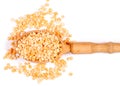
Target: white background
(87, 20)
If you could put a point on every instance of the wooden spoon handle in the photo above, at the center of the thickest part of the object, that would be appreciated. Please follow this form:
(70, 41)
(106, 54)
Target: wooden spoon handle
(89, 47)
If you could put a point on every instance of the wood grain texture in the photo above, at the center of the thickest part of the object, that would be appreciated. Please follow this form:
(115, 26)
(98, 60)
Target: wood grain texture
(89, 47)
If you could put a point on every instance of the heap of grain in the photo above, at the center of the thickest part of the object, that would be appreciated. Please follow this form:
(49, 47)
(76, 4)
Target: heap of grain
(42, 45)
